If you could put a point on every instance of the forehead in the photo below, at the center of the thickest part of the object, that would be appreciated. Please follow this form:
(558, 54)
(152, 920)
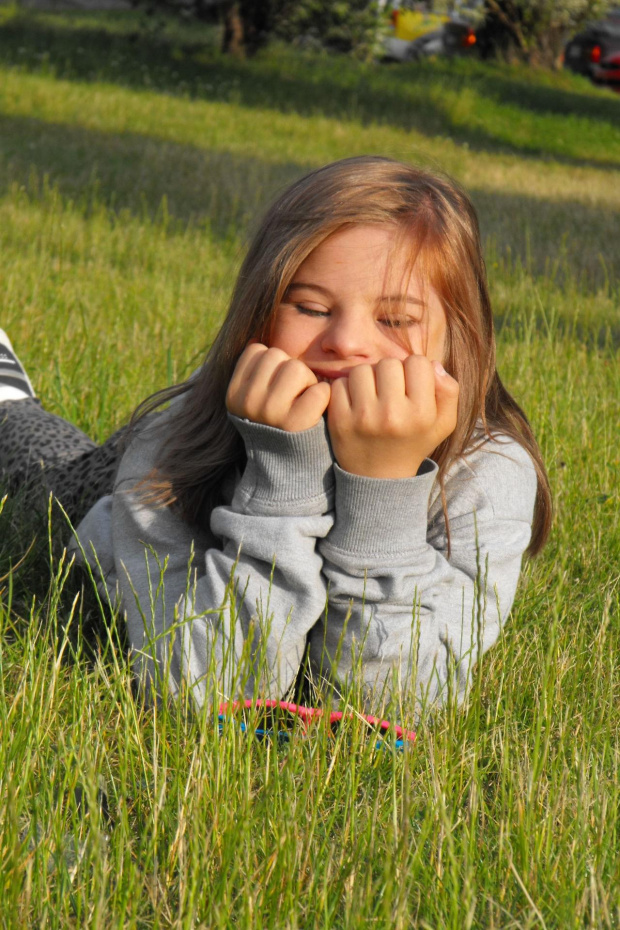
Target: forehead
(366, 252)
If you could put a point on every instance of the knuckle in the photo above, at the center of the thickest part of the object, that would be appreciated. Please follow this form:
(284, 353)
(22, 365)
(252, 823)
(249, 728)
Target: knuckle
(255, 348)
(359, 373)
(271, 410)
(276, 355)
(393, 422)
(252, 352)
(298, 369)
(366, 423)
(389, 364)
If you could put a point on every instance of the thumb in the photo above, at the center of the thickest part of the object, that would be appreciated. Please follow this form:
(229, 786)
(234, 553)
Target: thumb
(446, 397)
(309, 407)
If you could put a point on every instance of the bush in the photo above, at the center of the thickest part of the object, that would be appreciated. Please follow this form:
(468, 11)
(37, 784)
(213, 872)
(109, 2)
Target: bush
(536, 30)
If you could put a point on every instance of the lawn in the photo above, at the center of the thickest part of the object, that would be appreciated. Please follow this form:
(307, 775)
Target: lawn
(133, 162)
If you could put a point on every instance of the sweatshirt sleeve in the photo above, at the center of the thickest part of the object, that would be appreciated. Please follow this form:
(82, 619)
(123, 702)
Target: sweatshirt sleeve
(400, 606)
(212, 606)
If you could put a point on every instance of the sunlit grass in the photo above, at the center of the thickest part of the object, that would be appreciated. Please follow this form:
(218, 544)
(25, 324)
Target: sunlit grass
(218, 160)
(124, 204)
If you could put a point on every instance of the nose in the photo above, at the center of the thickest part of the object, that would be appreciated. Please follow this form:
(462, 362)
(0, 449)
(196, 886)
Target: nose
(349, 335)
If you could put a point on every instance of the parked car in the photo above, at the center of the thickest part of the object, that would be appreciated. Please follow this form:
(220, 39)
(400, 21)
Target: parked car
(415, 35)
(607, 71)
(589, 52)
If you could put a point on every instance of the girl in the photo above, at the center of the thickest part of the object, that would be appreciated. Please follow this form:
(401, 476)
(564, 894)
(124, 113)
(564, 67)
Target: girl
(345, 473)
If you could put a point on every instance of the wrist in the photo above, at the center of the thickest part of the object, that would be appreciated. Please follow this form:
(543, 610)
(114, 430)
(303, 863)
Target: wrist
(286, 472)
(386, 469)
(379, 460)
(381, 518)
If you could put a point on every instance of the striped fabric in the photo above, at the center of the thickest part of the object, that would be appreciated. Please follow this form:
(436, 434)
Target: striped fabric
(14, 382)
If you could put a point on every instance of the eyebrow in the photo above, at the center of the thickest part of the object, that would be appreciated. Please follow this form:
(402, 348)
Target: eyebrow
(402, 298)
(295, 285)
(384, 298)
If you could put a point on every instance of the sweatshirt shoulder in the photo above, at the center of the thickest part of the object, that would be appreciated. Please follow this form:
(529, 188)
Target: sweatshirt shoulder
(501, 460)
(496, 478)
(505, 471)
(139, 457)
(147, 437)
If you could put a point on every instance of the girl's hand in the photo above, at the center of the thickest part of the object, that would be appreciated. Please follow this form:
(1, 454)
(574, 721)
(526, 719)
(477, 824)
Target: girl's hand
(269, 387)
(385, 420)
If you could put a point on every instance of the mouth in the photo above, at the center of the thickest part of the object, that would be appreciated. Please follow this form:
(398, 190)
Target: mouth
(330, 377)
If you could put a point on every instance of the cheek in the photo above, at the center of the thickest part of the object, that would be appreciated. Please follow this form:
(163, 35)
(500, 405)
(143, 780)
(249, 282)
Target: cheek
(423, 340)
(413, 341)
(280, 331)
(398, 343)
(400, 350)
(438, 338)
(436, 330)
(291, 334)
(441, 344)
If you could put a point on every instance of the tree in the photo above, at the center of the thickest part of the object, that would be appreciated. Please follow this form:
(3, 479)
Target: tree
(536, 30)
(352, 26)
(341, 25)
(247, 25)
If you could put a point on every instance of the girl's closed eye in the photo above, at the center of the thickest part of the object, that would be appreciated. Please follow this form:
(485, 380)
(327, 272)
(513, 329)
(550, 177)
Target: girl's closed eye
(311, 311)
(397, 322)
(391, 313)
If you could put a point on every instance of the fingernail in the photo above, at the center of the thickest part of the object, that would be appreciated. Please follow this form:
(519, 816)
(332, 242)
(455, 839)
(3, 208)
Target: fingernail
(439, 369)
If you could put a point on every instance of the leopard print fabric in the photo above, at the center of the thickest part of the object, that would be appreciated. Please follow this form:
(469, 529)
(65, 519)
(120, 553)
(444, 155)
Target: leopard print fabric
(42, 454)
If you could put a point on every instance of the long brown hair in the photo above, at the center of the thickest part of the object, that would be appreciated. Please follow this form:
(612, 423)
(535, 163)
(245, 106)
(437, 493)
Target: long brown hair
(437, 218)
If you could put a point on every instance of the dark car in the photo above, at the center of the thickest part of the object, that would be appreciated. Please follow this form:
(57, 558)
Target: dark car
(588, 49)
(456, 37)
(607, 71)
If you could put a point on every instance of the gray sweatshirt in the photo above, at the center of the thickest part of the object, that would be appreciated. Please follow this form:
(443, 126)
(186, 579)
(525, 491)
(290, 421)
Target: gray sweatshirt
(303, 550)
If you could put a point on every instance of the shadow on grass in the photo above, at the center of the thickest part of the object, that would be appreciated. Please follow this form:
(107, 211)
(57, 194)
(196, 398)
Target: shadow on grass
(535, 97)
(226, 192)
(409, 98)
(135, 173)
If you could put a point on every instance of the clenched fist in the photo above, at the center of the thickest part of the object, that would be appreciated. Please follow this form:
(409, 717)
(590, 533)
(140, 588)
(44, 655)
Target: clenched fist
(384, 420)
(269, 387)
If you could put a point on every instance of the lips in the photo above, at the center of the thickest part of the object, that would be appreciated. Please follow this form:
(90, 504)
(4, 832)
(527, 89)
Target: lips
(330, 376)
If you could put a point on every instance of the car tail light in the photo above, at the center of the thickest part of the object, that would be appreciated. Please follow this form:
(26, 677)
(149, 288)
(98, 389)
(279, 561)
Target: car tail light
(469, 39)
(595, 54)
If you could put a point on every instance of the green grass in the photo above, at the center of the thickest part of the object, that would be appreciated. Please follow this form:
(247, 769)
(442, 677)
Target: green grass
(130, 172)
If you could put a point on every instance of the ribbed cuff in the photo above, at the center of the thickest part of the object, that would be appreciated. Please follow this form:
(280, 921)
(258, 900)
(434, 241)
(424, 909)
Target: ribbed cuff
(380, 518)
(285, 472)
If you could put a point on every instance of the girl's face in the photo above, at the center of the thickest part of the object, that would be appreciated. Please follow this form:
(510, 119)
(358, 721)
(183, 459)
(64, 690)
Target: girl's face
(336, 312)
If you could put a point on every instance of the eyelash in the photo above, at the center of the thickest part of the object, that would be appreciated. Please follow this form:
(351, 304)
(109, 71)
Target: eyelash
(396, 323)
(310, 312)
(389, 322)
